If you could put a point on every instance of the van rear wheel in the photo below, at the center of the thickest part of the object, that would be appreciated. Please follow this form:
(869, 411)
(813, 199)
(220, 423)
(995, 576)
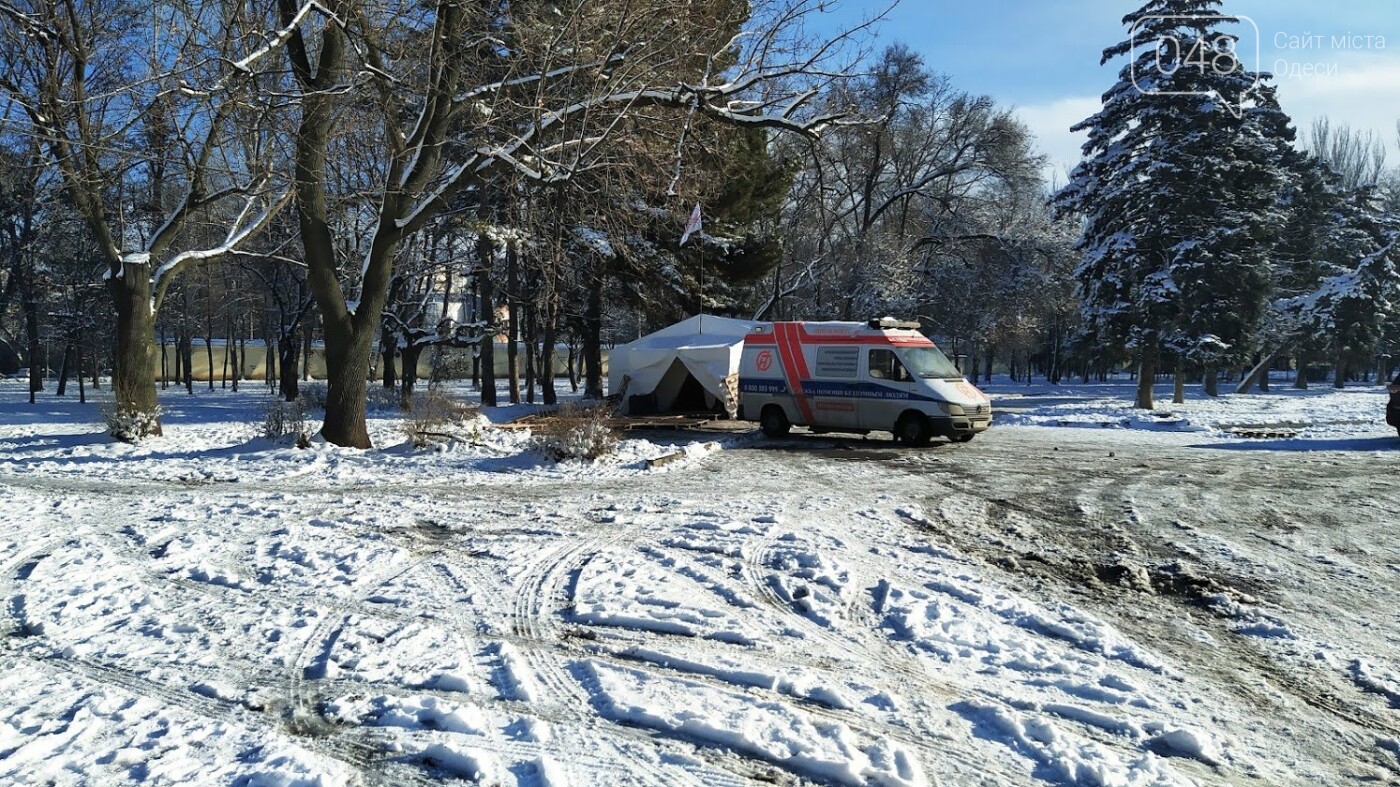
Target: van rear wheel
(773, 421)
(913, 429)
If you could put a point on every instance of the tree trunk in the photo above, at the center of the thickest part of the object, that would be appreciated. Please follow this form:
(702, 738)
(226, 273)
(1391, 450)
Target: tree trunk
(573, 370)
(513, 316)
(82, 389)
(1147, 375)
(530, 347)
(1212, 382)
(134, 353)
(242, 356)
(209, 355)
(593, 342)
(1339, 377)
(269, 361)
(65, 368)
(387, 340)
(1260, 371)
(1179, 384)
(227, 361)
(347, 372)
(551, 319)
(473, 315)
(485, 253)
(1300, 377)
(189, 363)
(307, 327)
(288, 350)
(411, 353)
(179, 360)
(37, 361)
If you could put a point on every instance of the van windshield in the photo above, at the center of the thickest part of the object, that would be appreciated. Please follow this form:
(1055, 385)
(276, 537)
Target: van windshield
(929, 362)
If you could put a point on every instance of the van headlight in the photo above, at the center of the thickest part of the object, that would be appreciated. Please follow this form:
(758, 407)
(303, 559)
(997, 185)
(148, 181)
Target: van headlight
(953, 409)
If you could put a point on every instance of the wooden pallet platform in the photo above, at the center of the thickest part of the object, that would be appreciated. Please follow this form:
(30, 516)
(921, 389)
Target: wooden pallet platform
(1263, 434)
(624, 423)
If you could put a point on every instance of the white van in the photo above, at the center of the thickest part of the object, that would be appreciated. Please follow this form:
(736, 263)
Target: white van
(881, 375)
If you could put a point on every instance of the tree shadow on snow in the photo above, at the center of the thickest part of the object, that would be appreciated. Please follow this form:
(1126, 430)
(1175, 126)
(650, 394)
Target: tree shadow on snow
(1348, 444)
(249, 450)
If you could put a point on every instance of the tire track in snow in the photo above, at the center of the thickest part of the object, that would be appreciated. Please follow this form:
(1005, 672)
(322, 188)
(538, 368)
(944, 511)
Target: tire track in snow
(366, 760)
(15, 570)
(901, 675)
(539, 595)
(360, 749)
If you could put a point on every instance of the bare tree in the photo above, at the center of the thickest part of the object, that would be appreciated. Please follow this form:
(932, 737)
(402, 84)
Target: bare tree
(1358, 157)
(154, 143)
(465, 93)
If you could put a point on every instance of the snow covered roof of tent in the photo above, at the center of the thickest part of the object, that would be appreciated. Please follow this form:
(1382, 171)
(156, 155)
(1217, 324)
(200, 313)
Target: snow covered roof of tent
(707, 347)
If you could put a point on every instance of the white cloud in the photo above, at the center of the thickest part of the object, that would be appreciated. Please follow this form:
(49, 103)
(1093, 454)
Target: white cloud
(1051, 123)
(1363, 93)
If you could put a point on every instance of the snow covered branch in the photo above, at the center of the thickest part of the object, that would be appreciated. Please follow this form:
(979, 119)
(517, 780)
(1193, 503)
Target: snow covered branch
(247, 224)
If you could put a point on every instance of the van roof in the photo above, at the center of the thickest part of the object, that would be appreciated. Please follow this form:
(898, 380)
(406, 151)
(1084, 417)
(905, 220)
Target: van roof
(846, 332)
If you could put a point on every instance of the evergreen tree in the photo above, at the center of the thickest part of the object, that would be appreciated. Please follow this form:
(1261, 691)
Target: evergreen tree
(741, 185)
(1178, 193)
(1344, 309)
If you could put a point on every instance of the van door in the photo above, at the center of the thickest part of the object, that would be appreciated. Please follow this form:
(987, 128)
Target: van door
(833, 388)
(888, 387)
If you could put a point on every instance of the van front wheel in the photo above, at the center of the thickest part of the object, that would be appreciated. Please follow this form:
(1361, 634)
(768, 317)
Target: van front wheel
(913, 429)
(773, 421)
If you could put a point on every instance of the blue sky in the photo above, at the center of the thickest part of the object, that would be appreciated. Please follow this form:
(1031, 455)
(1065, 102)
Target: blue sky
(1042, 56)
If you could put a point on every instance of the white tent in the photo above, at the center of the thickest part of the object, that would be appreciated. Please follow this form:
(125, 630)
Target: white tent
(693, 364)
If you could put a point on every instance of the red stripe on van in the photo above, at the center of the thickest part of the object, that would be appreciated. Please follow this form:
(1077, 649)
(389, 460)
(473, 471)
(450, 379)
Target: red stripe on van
(790, 350)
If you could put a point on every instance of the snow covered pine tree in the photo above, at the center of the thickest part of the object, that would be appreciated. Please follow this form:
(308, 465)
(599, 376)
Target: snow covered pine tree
(1178, 191)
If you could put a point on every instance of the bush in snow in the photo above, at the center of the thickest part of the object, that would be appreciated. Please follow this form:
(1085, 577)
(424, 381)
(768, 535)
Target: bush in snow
(434, 418)
(575, 433)
(130, 426)
(378, 399)
(281, 419)
(381, 399)
(313, 395)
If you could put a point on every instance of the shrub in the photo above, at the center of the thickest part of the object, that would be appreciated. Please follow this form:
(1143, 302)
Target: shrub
(433, 418)
(313, 395)
(576, 432)
(378, 398)
(129, 426)
(282, 419)
(381, 399)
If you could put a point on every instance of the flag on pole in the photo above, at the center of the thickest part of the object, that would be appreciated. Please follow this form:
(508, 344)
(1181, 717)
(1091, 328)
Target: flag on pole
(693, 226)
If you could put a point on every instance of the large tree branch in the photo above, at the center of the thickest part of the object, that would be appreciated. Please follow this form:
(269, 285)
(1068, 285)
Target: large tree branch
(241, 229)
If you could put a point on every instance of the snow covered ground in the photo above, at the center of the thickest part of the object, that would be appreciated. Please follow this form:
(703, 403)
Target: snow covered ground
(1044, 605)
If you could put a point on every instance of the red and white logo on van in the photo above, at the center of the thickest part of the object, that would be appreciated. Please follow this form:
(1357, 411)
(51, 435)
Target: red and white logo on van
(967, 389)
(765, 361)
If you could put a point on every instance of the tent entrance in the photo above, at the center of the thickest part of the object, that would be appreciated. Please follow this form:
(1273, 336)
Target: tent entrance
(678, 392)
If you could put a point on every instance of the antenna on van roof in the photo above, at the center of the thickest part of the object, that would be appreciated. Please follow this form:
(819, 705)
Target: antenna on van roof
(891, 324)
